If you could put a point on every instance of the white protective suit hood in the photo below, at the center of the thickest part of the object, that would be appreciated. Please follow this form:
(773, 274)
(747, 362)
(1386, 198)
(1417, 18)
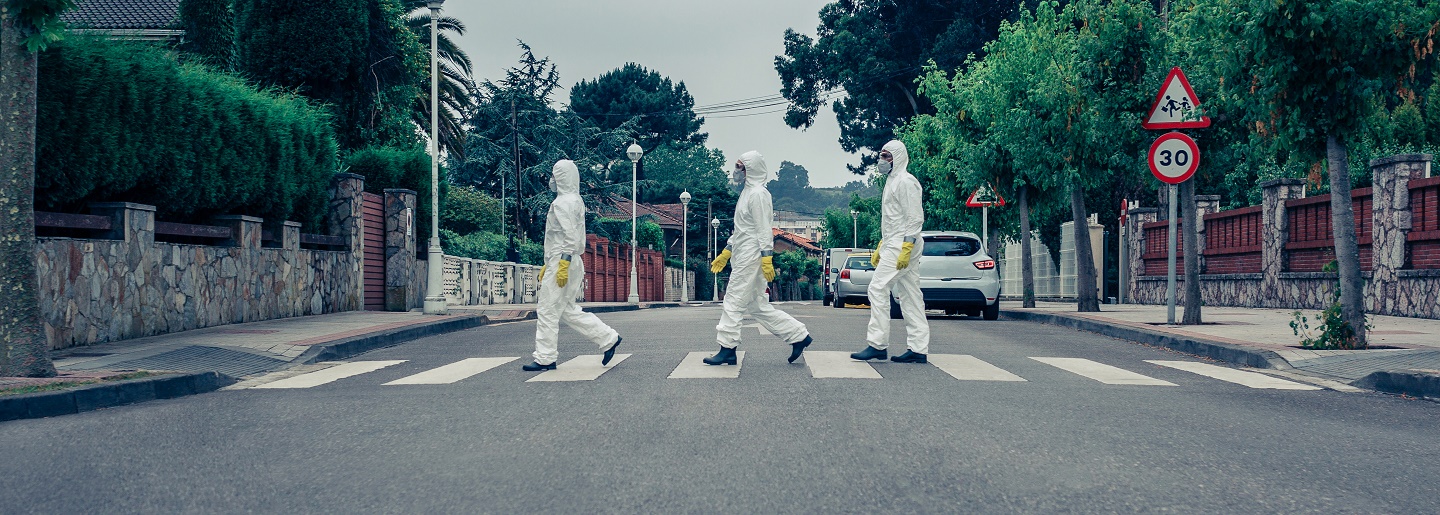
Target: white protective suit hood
(901, 157)
(756, 173)
(565, 177)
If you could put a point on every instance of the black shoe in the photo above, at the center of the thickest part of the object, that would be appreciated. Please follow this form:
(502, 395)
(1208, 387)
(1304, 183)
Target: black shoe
(726, 356)
(610, 353)
(869, 353)
(535, 366)
(910, 357)
(798, 348)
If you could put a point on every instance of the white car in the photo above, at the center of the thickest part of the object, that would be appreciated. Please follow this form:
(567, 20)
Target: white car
(956, 276)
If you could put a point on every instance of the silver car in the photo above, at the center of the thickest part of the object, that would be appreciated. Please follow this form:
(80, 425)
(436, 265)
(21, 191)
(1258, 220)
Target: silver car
(854, 281)
(956, 276)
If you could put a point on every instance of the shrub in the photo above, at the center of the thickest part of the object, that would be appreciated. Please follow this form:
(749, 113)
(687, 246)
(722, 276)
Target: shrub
(387, 167)
(467, 210)
(125, 121)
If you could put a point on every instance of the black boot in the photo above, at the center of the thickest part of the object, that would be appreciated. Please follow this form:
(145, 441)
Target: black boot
(535, 366)
(726, 356)
(910, 357)
(610, 353)
(870, 353)
(799, 347)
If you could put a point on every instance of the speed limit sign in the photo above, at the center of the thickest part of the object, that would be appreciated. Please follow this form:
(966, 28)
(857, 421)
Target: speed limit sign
(1174, 158)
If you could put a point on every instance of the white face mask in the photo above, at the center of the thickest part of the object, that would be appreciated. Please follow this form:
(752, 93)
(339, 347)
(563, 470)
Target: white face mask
(553, 187)
(737, 179)
(884, 167)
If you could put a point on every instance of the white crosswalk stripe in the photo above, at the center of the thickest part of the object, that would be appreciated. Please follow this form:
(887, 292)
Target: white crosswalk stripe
(969, 368)
(837, 364)
(453, 372)
(1101, 372)
(1240, 377)
(692, 368)
(581, 368)
(331, 374)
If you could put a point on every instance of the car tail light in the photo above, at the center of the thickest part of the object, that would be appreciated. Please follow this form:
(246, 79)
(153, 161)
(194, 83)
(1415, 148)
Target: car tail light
(845, 274)
(985, 264)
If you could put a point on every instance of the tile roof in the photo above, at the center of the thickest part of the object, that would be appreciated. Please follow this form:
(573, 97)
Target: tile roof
(664, 215)
(796, 239)
(124, 14)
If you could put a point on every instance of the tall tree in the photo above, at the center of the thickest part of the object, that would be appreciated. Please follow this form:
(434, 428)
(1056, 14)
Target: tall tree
(665, 109)
(872, 50)
(26, 27)
(457, 83)
(209, 31)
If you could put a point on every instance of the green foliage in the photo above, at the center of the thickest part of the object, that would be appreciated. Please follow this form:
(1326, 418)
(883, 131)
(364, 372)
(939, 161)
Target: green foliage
(399, 168)
(671, 169)
(209, 31)
(651, 236)
(663, 111)
(39, 20)
(488, 246)
(840, 227)
(467, 210)
(127, 122)
(1332, 333)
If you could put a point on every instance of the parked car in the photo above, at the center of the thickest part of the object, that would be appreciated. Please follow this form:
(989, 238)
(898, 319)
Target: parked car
(956, 276)
(835, 260)
(854, 279)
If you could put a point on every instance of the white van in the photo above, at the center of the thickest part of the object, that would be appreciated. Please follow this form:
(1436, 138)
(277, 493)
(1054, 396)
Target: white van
(834, 261)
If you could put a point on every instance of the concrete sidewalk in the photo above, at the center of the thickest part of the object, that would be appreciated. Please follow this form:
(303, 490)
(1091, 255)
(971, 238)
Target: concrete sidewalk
(207, 359)
(1404, 358)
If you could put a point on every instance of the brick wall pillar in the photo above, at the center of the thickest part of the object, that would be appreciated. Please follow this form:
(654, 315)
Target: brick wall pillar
(1204, 205)
(1276, 231)
(400, 259)
(345, 220)
(1392, 219)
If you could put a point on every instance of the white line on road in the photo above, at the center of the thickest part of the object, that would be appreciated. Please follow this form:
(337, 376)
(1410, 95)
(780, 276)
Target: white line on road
(692, 368)
(1231, 375)
(969, 368)
(837, 364)
(331, 374)
(581, 368)
(453, 372)
(1101, 372)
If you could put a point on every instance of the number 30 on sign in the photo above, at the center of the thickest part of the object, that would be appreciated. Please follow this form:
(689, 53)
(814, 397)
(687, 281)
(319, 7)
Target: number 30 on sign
(1174, 158)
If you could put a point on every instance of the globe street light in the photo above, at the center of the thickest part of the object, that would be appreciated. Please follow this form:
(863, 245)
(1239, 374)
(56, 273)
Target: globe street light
(634, 153)
(434, 298)
(685, 245)
(715, 278)
(854, 228)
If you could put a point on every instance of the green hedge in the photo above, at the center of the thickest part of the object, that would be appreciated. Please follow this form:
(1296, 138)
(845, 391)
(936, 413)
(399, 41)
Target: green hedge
(490, 247)
(387, 167)
(123, 121)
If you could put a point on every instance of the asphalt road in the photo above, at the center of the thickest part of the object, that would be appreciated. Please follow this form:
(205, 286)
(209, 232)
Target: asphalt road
(774, 440)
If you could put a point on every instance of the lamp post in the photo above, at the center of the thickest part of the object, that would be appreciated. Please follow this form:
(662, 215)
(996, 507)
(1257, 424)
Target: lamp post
(685, 245)
(715, 240)
(854, 228)
(435, 262)
(634, 153)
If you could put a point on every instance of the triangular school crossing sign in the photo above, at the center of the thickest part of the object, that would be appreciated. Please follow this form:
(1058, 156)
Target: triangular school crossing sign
(984, 196)
(1176, 106)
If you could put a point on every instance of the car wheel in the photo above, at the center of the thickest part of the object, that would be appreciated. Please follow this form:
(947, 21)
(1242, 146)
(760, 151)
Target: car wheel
(895, 310)
(992, 312)
(839, 302)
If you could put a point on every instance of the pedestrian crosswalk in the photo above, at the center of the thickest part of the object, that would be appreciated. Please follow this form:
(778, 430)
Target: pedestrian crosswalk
(827, 365)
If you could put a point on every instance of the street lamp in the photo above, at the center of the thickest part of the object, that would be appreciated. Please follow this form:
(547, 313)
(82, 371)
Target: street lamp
(715, 240)
(685, 245)
(434, 298)
(854, 228)
(634, 153)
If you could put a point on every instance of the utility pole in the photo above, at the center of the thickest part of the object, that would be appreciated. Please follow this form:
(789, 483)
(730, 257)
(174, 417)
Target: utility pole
(515, 139)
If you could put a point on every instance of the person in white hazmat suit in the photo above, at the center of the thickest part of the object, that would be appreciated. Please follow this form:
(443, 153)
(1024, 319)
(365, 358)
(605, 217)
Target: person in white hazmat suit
(564, 242)
(897, 262)
(749, 252)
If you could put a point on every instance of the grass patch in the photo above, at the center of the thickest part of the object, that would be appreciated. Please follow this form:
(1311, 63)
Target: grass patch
(66, 385)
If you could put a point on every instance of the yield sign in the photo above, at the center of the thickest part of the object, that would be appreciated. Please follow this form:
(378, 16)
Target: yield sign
(984, 196)
(1176, 106)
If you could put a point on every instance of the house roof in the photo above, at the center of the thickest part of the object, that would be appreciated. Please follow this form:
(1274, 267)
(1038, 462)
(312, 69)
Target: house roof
(796, 240)
(664, 215)
(124, 14)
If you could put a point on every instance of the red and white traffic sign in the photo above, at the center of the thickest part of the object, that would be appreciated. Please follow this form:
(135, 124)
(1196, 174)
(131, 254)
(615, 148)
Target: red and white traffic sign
(984, 196)
(1174, 157)
(1176, 106)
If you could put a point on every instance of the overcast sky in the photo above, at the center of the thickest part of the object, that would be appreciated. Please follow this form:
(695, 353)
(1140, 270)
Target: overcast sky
(723, 51)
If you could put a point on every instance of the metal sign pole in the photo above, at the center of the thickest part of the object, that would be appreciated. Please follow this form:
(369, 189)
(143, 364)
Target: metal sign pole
(985, 228)
(1124, 261)
(1170, 266)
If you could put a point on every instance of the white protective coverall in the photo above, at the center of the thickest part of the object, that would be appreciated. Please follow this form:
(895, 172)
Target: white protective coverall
(565, 239)
(901, 217)
(751, 239)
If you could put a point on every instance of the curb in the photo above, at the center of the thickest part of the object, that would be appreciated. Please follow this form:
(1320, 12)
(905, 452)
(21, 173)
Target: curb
(355, 345)
(1403, 382)
(107, 395)
(1227, 352)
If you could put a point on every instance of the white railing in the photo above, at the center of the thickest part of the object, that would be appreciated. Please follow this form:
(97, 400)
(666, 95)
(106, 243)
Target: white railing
(476, 282)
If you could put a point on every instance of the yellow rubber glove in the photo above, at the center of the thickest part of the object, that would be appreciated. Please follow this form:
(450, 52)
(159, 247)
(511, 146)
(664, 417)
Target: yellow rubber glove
(875, 254)
(542, 274)
(562, 273)
(720, 261)
(767, 267)
(905, 250)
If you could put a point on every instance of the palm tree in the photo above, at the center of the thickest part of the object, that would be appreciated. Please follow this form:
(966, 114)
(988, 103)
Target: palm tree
(456, 82)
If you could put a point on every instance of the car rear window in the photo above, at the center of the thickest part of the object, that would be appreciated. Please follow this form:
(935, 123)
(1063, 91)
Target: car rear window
(859, 263)
(951, 246)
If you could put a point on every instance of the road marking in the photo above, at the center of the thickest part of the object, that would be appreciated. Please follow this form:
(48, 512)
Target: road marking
(692, 368)
(581, 368)
(332, 374)
(453, 372)
(1101, 372)
(761, 328)
(1240, 377)
(969, 368)
(837, 364)
(1323, 383)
